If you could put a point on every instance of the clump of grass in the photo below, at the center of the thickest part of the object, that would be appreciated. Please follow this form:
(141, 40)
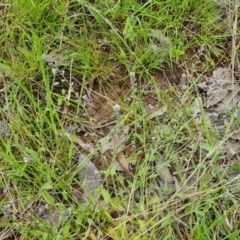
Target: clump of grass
(102, 44)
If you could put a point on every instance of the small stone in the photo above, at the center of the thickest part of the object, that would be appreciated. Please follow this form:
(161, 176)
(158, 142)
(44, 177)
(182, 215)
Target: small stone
(116, 108)
(6, 209)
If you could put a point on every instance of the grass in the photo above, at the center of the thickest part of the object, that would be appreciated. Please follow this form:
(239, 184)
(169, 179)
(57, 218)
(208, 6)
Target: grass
(94, 47)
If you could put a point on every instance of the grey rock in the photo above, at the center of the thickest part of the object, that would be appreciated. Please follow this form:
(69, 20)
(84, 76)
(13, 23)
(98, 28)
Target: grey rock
(91, 180)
